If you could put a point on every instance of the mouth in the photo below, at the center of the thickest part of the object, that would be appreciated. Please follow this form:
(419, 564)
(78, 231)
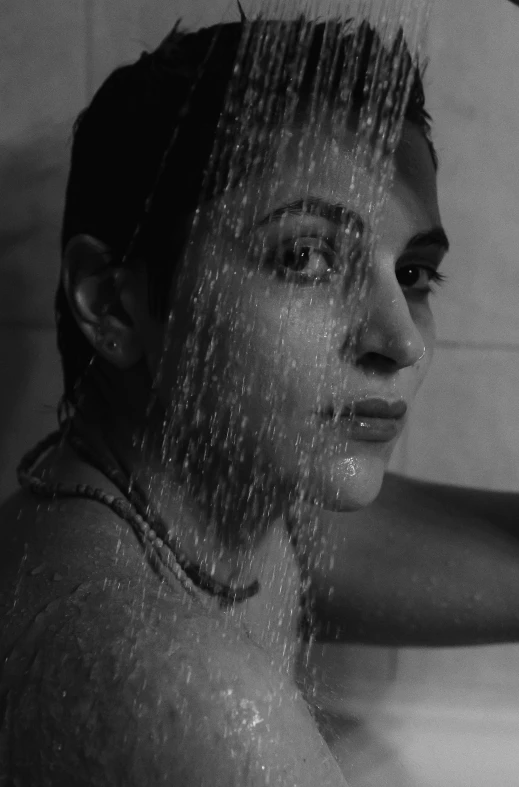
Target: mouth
(371, 420)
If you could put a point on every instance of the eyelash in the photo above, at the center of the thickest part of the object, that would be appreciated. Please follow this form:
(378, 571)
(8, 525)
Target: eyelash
(438, 278)
(327, 248)
(315, 243)
(435, 278)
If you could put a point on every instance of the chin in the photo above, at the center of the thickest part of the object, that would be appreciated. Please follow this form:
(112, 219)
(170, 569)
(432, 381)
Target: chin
(345, 484)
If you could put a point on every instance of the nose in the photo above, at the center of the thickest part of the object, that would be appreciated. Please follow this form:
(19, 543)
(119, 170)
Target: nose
(387, 337)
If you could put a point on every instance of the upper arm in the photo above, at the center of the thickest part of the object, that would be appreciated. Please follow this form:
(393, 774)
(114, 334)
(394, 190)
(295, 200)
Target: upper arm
(95, 695)
(426, 564)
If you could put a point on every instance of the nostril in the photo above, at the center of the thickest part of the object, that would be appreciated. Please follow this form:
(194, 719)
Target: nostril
(377, 362)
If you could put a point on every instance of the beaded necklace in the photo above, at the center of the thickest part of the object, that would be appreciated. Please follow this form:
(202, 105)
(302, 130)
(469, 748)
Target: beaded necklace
(162, 553)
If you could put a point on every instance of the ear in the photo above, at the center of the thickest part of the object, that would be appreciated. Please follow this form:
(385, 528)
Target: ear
(101, 296)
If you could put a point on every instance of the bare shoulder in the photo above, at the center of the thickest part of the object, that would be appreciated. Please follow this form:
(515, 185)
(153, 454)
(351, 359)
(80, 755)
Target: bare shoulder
(48, 548)
(107, 689)
(109, 681)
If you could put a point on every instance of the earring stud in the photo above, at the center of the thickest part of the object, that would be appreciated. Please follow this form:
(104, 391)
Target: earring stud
(104, 343)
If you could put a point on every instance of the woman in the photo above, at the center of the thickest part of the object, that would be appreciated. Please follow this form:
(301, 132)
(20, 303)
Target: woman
(152, 610)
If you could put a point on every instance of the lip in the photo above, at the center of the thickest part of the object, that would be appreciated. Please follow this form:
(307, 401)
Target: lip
(371, 420)
(376, 408)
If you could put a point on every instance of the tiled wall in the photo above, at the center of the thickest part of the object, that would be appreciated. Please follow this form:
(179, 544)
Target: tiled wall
(465, 427)
(446, 718)
(451, 717)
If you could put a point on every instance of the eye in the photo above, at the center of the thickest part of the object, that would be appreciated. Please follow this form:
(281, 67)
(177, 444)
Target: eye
(303, 260)
(418, 277)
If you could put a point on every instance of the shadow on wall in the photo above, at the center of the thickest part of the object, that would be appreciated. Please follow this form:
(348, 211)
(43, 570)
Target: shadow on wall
(33, 177)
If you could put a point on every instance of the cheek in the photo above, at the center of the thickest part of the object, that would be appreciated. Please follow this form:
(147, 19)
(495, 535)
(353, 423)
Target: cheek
(285, 351)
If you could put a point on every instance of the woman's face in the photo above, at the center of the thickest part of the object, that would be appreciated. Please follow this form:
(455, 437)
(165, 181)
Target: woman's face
(314, 377)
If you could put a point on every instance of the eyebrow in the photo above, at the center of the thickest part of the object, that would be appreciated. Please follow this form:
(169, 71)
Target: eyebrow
(337, 213)
(433, 237)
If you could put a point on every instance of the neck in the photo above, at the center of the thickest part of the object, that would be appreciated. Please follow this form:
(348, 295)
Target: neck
(204, 508)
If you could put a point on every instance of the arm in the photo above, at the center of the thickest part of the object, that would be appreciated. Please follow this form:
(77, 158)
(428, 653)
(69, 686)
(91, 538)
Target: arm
(426, 564)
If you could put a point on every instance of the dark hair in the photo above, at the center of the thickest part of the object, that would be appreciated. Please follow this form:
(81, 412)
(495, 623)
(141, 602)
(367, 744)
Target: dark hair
(142, 148)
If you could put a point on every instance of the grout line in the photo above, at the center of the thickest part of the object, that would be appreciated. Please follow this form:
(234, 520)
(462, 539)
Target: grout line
(449, 344)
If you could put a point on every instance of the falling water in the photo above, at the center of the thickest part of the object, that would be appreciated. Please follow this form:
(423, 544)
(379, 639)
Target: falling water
(233, 458)
(252, 143)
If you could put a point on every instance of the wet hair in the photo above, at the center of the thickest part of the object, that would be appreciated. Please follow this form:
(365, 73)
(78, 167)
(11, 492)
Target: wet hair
(141, 150)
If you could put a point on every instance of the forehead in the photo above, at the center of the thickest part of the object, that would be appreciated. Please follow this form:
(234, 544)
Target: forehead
(315, 163)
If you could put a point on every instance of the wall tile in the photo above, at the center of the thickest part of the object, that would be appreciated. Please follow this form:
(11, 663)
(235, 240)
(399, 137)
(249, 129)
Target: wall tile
(473, 95)
(465, 425)
(42, 88)
(33, 174)
(450, 677)
(42, 63)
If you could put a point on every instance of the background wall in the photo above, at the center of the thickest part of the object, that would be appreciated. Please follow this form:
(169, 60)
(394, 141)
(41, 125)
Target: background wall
(424, 717)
